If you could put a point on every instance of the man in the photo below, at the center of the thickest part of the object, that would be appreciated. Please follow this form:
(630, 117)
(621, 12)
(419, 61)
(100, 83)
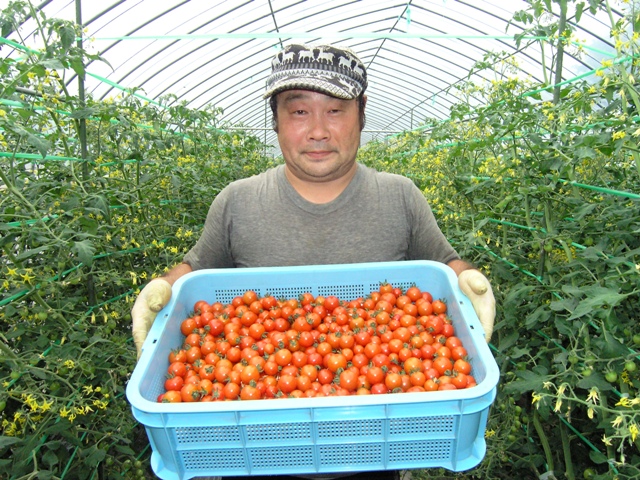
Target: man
(321, 206)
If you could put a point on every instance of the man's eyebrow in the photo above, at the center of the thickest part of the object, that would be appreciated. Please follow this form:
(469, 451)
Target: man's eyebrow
(291, 97)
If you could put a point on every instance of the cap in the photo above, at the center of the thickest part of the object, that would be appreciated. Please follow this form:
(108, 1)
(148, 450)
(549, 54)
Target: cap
(332, 70)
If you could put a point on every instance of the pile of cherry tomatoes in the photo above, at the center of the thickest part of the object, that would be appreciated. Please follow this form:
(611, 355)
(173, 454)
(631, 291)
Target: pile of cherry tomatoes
(393, 341)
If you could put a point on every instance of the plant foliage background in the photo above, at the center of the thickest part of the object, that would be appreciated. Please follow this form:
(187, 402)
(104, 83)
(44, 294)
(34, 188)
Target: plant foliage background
(537, 184)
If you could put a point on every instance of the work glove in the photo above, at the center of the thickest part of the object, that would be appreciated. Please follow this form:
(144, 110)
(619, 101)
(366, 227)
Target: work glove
(476, 286)
(155, 295)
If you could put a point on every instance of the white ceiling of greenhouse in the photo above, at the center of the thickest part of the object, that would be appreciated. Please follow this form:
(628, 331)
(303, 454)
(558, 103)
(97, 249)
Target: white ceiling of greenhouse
(218, 53)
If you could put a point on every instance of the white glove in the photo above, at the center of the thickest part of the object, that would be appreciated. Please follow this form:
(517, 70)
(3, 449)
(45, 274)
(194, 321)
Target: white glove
(476, 286)
(155, 295)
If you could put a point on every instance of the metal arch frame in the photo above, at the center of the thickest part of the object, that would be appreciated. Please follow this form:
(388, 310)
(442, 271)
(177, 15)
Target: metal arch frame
(514, 51)
(436, 89)
(109, 47)
(196, 68)
(148, 59)
(250, 112)
(301, 19)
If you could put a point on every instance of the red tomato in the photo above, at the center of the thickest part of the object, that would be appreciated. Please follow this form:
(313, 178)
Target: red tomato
(172, 397)
(174, 384)
(439, 307)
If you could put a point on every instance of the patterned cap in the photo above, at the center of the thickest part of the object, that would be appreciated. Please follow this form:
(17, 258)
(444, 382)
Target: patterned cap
(334, 71)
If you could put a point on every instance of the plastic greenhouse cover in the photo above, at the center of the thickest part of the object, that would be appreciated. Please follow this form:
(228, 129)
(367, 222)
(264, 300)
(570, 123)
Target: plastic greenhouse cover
(218, 53)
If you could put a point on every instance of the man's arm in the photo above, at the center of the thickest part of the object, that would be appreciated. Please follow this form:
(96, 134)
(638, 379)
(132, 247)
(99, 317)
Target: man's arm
(176, 272)
(459, 266)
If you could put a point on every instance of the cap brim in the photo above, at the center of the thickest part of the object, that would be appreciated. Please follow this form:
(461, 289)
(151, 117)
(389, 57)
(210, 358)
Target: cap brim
(346, 91)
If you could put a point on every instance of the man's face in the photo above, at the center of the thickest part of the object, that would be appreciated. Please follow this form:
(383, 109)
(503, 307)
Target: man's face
(319, 135)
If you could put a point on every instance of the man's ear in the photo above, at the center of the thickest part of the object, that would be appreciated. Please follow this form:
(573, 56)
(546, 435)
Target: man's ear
(361, 108)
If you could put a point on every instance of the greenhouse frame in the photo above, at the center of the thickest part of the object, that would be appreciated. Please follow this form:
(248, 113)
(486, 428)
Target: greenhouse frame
(122, 120)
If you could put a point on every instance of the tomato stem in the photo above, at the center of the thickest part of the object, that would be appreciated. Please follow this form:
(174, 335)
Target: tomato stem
(566, 450)
(543, 440)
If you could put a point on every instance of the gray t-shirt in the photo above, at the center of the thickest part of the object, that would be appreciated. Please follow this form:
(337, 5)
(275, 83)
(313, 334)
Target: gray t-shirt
(263, 222)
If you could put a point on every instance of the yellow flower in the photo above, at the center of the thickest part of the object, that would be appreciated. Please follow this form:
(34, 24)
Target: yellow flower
(623, 402)
(31, 402)
(618, 421)
(593, 395)
(558, 405)
(633, 431)
(64, 413)
(535, 398)
(27, 278)
(618, 135)
(46, 406)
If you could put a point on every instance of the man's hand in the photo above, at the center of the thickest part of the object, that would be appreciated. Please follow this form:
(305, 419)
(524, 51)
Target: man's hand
(476, 286)
(155, 295)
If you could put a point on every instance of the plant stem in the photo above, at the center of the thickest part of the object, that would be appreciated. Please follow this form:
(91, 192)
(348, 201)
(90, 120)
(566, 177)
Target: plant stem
(566, 450)
(543, 440)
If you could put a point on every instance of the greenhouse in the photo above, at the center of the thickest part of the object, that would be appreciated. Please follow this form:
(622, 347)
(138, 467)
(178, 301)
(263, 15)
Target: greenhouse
(518, 121)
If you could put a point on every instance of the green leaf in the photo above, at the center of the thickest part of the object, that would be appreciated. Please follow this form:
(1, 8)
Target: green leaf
(85, 251)
(612, 347)
(529, 381)
(579, 9)
(566, 304)
(67, 36)
(53, 64)
(38, 373)
(564, 327)
(597, 298)
(31, 253)
(89, 225)
(50, 459)
(540, 314)
(509, 340)
(594, 380)
(597, 457)
(40, 144)
(84, 112)
(78, 66)
(94, 456)
(57, 427)
(15, 332)
(7, 441)
(125, 450)
(518, 352)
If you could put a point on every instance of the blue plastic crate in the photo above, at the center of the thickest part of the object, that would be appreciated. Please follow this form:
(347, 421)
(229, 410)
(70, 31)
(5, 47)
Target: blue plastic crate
(313, 435)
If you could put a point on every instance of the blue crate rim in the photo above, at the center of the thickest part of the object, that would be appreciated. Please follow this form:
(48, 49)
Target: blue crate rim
(487, 387)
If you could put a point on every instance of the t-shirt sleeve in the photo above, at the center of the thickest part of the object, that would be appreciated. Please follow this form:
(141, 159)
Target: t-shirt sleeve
(212, 249)
(427, 242)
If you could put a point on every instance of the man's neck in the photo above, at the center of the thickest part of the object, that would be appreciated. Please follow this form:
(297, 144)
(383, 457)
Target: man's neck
(321, 192)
